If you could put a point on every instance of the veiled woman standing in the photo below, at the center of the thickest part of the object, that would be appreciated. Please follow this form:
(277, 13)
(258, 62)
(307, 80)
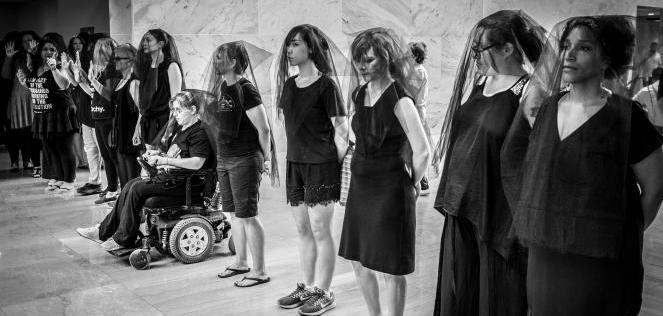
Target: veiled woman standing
(482, 268)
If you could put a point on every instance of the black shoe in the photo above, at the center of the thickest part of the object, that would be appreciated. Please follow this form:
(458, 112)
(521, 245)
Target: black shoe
(89, 189)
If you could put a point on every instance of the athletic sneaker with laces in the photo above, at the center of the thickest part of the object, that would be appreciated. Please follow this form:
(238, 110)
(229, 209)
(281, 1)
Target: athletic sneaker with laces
(319, 303)
(66, 187)
(297, 298)
(89, 232)
(110, 245)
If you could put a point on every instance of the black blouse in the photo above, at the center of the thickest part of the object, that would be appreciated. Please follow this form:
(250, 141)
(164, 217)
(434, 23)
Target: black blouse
(308, 127)
(238, 135)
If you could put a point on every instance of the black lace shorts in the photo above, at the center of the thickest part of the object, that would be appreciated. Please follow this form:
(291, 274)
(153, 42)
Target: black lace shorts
(313, 184)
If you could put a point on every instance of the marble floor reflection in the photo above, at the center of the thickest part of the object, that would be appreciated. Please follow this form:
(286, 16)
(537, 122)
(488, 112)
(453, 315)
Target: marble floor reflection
(47, 269)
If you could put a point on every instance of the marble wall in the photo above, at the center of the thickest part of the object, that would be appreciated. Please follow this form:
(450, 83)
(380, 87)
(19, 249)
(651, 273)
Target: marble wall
(200, 25)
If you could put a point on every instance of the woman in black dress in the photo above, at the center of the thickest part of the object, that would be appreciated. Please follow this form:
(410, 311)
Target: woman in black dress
(54, 120)
(482, 268)
(18, 62)
(159, 70)
(124, 100)
(391, 157)
(591, 179)
(317, 136)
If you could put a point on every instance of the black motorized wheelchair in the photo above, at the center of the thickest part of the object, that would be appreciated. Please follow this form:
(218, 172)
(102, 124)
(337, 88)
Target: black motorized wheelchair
(186, 229)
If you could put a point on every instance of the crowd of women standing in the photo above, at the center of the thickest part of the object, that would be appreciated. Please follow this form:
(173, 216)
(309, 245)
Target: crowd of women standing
(549, 178)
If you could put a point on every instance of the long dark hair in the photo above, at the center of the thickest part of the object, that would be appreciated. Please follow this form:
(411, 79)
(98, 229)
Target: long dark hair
(37, 61)
(321, 55)
(169, 49)
(510, 27)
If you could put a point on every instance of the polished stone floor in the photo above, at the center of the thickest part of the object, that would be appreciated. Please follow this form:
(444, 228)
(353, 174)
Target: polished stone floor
(47, 269)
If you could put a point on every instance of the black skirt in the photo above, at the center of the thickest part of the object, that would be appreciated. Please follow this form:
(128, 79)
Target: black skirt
(380, 223)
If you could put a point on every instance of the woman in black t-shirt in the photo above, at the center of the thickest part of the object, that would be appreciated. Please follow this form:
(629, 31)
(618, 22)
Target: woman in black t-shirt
(103, 78)
(54, 120)
(188, 148)
(243, 146)
(317, 136)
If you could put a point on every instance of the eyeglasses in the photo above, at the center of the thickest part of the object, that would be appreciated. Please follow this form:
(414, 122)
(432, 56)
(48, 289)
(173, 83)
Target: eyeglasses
(477, 50)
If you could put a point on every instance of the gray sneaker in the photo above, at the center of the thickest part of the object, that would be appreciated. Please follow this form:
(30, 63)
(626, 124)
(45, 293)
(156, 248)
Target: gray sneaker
(319, 303)
(295, 299)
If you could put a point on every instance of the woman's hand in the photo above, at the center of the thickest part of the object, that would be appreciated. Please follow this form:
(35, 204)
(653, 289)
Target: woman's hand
(267, 166)
(51, 63)
(92, 73)
(65, 62)
(136, 138)
(9, 50)
(20, 75)
(32, 45)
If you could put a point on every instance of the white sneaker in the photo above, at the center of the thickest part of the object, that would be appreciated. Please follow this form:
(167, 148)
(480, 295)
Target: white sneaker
(111, 245)
(91, 233)
(55, 186)
(66, 187)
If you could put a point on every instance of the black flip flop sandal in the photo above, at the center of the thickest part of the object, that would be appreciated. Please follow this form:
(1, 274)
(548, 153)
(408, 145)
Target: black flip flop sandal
(257, 281)
(233, 272)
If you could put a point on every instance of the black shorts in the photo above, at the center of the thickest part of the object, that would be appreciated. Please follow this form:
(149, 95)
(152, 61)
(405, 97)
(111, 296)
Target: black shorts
(313, 184)
(239, 181)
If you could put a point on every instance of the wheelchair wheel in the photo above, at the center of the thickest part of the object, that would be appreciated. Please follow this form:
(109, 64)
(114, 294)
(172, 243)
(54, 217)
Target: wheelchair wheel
(191, 240)
(140, 259)
(231, 245)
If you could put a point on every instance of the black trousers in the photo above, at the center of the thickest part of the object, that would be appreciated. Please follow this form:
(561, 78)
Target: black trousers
(61, 157)
(474, 279)
(123, 221)
(109, 155)
(20, 139)
(127, 167)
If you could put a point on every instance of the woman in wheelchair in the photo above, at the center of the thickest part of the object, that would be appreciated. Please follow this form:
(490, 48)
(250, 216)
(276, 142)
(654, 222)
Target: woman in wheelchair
(188, 148)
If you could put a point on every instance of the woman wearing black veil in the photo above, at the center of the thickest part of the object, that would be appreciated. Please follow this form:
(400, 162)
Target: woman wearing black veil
(482, 268)
(159, 71)
(317, 134)
(591, 177)
(241, 132)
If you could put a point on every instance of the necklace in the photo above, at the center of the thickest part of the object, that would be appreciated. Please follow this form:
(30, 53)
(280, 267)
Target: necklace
(304, 81)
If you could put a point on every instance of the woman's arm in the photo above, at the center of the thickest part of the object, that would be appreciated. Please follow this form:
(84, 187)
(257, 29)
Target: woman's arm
(341, 135)
(193, 163)
(103, 90)
(134, 92)
(258, 116)
(648, 174)
(174, 79)
(408, 117)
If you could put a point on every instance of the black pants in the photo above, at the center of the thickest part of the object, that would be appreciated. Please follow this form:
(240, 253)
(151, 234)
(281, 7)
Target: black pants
(474, 279)
(109, 155)
(21, 140)
(61, 157)
(123, 221)
(127, 167)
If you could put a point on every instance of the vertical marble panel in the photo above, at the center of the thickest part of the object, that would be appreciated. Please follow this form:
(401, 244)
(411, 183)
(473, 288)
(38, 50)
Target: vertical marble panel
(121, 23)
(196, 16)
(549, 12)
(277, 17)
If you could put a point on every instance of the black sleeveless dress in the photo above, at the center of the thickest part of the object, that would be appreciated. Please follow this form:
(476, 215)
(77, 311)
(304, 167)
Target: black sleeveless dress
(379, 224)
